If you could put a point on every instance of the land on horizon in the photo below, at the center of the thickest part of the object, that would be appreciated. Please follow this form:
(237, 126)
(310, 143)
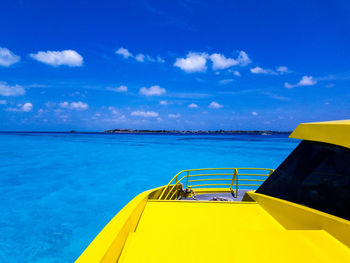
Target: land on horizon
(263, 132)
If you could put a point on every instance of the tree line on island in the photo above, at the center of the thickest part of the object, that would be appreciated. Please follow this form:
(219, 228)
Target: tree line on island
(197, 131)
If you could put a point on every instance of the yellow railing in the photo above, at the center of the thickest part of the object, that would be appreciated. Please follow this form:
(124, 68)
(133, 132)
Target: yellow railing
(233, 179)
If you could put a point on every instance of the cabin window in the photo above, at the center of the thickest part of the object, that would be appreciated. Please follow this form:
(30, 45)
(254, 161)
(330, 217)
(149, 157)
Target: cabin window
(316, 175)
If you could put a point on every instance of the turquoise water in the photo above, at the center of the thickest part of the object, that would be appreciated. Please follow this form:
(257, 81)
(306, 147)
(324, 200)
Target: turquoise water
(57, 191)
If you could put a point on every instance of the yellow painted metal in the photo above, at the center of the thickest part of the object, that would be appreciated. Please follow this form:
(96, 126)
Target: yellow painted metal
(210, 179)
(107, 246)
(257, 174)
(232, 182)
(298, 217)
(174, 178)
(334, 132)
(195, 175)
(228, 232)
(197, 185)
(236, 178)
(168, 192)
(264, 229)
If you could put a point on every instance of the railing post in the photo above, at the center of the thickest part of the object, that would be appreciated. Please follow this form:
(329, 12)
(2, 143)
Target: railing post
(187, 179)
(236, 171)
(233, 179)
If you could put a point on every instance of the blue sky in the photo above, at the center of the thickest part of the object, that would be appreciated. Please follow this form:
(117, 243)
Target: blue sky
(96, 65)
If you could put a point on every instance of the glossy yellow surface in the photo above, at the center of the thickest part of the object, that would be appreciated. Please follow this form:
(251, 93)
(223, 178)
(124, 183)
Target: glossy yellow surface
(334, 132)
(263, 229)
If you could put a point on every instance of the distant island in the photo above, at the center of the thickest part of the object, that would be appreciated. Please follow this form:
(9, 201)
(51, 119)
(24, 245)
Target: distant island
(197, 131)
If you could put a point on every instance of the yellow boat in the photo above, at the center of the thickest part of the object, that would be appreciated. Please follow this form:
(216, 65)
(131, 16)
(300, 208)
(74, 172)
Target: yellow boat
(300, 213)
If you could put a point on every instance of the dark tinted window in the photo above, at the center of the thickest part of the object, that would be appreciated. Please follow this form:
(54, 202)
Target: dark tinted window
(316, 175)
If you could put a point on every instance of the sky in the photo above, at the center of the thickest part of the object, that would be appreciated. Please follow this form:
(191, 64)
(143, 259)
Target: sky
(182, 64)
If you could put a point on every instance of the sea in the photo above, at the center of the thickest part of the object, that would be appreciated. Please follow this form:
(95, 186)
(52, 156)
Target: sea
(58, 190)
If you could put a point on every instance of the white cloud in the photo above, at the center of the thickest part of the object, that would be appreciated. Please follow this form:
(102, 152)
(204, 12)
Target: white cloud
(3, 102)
(146, 114)
(275, 96)
(174, 116)
(96, 116)
(152, 91)
(58, 58)
(113, 110)
(236, 73)
(215, 105)
(305, 81)
(282, 69)
(121, 88)
(124, 52)
(160, 60)
(6, 90)
(75, 105)
(225, 81)
(64, 104)
(259, 70)
(221, 62)
(163, 102)
(26, 107)
(193, 106)
(279, 70)
(79, 105)
(289, 86)
(243, 58)
(141, 57)
(7, 58)
(194, 62)
(254, 113)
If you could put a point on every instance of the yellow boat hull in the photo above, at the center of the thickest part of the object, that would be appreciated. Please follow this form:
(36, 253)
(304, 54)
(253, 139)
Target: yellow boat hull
(260, 228)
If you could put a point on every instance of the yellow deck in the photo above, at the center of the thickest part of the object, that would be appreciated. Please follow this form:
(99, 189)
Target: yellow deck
(259, 229)
(173, 231)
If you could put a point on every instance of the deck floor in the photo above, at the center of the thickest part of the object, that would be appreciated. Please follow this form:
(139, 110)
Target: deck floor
(226, 195)
(173, 231)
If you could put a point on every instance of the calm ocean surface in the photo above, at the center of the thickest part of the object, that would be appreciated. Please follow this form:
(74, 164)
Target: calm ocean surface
(57, 191)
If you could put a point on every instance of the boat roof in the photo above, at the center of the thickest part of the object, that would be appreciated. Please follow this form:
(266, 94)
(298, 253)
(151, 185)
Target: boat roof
(334, 132)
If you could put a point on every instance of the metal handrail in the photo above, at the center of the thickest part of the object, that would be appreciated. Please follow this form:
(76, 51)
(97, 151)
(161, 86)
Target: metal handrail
(234, 178)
